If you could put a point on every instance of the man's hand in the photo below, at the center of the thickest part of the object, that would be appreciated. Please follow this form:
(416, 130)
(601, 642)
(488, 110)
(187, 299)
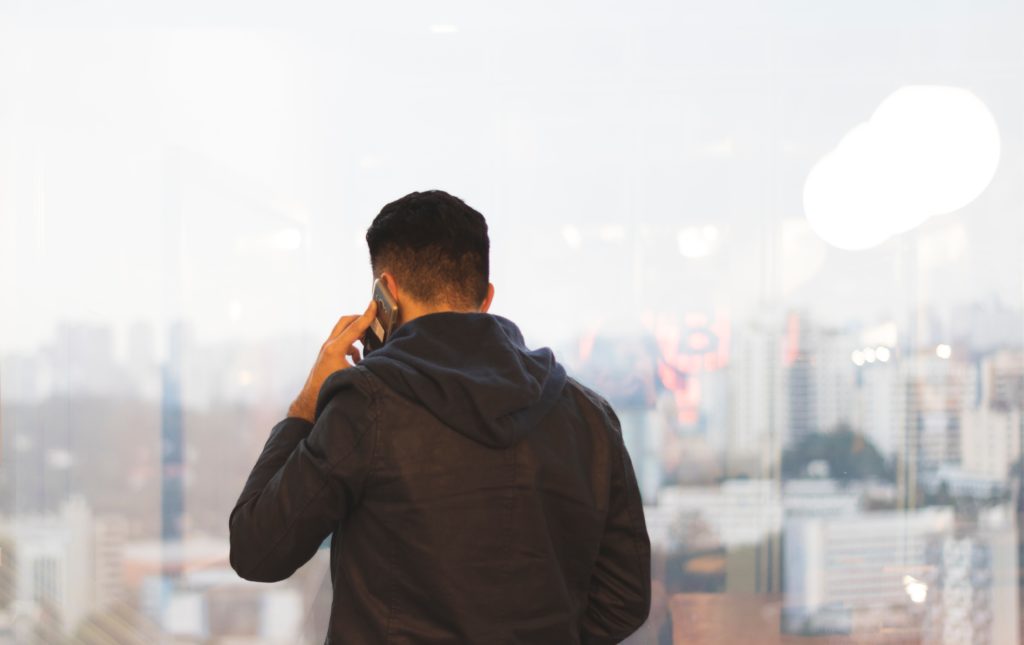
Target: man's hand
(332, 358)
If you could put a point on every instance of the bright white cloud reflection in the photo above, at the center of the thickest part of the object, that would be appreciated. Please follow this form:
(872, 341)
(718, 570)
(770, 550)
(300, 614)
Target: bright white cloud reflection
(927, 150)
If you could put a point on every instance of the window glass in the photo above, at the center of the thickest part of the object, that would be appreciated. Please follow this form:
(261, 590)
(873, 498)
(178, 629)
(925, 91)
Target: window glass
(784, 240)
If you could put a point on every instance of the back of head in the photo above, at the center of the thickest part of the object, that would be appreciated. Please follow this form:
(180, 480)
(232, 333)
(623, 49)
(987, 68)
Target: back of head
(436, 246)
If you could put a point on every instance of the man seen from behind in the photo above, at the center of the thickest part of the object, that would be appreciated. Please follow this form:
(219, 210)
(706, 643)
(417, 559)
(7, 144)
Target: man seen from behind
(473, 492)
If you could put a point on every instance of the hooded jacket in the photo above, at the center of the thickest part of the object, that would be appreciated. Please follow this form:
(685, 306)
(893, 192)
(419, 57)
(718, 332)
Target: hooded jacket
(473, 492)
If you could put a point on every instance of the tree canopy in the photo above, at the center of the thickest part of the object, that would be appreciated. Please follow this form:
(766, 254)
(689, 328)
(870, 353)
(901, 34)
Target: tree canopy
(849, 455)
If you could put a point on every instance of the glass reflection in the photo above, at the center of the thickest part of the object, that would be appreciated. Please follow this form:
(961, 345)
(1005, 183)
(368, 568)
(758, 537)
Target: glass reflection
(783, 243)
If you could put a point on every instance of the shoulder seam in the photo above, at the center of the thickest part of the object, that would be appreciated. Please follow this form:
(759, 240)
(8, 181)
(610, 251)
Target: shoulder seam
(599, 402)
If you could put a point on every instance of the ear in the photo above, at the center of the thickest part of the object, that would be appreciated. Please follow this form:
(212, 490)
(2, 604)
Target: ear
(487, 301)
(390, 284)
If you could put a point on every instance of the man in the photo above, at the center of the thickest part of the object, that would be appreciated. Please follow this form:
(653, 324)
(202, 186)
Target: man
(476, 494)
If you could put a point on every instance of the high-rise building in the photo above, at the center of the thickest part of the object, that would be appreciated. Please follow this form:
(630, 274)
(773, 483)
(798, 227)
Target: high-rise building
(1002, 378)
(991, 421)
(741, 516)
(757, 415)
(110, 535)
(642, 433)
(56, 561)
(990, 441)
(140, 360)
(738, 512)
(819, 377)
(850, 570)
(172, 442)
(937, 389)
(23, 378)
(880, 404)
(972, 587)
(80, 360)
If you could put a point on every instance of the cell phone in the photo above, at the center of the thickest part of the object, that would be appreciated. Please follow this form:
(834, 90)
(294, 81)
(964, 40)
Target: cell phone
(383, 322)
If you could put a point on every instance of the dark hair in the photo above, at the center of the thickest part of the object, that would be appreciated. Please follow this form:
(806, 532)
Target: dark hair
(435, 245)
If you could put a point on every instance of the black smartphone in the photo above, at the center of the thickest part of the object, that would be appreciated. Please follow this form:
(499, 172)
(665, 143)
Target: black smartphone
(383, 322)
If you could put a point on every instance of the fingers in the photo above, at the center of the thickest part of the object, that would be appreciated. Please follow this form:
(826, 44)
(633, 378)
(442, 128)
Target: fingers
(340, 326)
(355, 329)
(349, 329)
(363, 320)
(353, 353)
(337, 349)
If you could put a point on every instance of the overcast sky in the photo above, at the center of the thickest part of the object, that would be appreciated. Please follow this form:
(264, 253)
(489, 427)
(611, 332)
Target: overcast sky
(222, 160)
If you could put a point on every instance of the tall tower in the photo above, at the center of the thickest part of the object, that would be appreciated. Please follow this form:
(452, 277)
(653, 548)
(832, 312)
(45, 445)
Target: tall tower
(172, 493)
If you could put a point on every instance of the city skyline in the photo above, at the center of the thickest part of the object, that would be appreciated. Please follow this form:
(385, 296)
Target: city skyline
(782, 239)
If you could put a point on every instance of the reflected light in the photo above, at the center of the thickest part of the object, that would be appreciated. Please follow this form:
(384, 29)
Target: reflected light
(882, 354)
(916, 589)
(857, 357)
(869, 354)
(943, 351)
(572, 236)
(926, 150)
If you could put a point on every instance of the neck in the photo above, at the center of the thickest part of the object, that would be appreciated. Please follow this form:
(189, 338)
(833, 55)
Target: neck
(413, 310)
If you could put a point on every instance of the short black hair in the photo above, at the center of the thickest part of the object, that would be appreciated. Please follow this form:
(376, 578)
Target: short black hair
(435, 245)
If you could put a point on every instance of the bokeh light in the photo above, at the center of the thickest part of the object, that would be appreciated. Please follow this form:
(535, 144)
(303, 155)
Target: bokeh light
(927, 150)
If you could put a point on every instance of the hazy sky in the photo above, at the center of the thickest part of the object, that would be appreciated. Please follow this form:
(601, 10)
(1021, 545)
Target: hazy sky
(223, 159)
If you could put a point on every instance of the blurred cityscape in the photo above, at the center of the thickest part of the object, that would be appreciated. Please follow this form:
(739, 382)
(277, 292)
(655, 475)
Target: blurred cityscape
(783, 239)
(802, 482)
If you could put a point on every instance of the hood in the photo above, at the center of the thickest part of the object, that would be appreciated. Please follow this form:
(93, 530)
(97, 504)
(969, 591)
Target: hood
(473, 372)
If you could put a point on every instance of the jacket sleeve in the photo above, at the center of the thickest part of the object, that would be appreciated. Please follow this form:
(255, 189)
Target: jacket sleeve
(307, 479)
(620, 586)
